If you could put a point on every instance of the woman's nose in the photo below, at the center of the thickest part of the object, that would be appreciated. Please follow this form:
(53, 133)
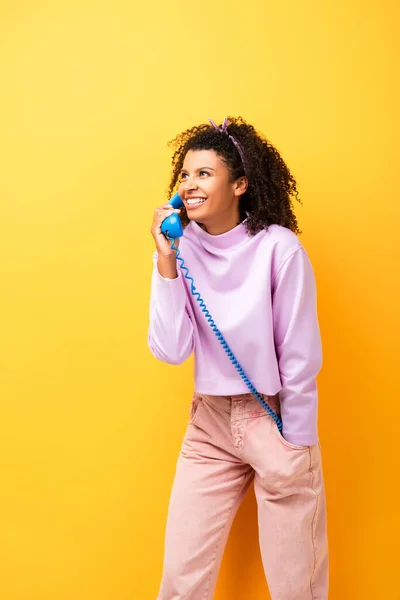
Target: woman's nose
(190, 184)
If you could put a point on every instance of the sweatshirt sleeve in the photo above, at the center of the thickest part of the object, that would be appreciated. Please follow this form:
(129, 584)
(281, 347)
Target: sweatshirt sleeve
(298, 347)
(170, 333)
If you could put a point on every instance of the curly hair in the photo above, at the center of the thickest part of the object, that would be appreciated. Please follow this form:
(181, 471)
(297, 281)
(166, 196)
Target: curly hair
(267, 199)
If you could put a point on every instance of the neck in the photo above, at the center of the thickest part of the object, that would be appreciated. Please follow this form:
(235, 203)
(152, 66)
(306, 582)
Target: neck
(222, 227)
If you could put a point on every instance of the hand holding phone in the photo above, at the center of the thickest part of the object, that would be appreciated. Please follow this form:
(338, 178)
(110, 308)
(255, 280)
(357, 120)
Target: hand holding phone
(166, 222)
(172, 226)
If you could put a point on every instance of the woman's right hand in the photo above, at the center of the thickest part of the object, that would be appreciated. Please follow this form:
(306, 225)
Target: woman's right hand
(162, 244)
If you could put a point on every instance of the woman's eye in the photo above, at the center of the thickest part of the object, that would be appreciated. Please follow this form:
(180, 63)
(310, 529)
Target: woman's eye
(185, 175)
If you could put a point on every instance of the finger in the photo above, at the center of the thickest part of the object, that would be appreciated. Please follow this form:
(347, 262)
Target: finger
(162, 214)
(167, 206)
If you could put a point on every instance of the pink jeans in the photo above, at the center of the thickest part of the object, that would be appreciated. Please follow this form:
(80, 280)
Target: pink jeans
(229, 441)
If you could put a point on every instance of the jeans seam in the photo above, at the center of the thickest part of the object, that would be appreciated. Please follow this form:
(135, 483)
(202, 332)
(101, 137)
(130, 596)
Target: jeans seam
(207, 590)
(313, 597)
(252, 416)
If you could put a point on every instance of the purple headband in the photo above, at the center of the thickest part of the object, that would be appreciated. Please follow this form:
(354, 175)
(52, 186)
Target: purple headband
(224, 129)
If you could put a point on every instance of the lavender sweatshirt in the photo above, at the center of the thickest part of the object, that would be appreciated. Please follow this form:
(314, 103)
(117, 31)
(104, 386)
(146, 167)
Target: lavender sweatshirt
(261, 293)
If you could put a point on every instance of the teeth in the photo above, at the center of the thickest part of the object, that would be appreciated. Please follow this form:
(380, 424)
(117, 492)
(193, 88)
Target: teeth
(196, 200)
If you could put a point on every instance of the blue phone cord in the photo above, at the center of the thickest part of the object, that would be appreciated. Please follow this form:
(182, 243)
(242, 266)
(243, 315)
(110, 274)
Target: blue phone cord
(223, 342)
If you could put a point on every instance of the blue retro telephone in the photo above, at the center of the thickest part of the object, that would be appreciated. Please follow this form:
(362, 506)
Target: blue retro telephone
(172, 226)
(172, 229)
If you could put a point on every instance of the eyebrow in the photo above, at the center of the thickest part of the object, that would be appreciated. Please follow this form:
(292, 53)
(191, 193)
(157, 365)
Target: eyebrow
(200, 169)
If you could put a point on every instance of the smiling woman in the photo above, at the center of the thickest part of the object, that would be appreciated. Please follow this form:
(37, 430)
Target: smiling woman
(209, 195)
(239, 240)
(263, 187)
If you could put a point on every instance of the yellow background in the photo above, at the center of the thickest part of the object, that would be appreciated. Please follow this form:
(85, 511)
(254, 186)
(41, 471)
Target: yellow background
(90, 422)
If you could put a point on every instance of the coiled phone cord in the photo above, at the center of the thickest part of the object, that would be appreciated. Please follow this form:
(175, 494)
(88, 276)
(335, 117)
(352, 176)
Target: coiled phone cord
(221, 338)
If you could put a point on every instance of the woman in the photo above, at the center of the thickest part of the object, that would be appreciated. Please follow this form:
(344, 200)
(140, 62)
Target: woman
(240, 245)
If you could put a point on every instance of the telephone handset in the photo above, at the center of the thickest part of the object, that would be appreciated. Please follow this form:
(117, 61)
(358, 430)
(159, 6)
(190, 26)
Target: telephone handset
(172, 229)
(172, 226)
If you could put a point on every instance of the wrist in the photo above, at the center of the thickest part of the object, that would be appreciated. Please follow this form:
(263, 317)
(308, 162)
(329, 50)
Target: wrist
(166, 266)
(167, 258)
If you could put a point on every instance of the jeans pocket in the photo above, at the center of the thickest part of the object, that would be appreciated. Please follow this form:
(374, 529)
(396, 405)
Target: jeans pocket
(286, 443)
(194, 407)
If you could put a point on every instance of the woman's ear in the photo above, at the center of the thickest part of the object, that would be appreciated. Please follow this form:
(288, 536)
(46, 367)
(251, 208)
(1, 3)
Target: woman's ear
(241, 186)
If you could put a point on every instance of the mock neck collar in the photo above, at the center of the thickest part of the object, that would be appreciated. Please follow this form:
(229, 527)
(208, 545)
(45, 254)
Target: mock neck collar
(224, 241)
